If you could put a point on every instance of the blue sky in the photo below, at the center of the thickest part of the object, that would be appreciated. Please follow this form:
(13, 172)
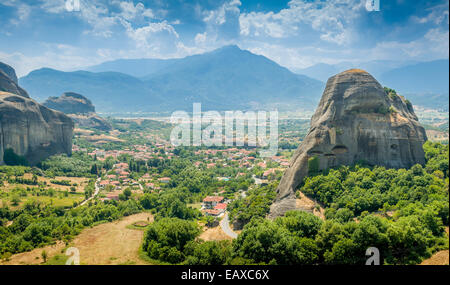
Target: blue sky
(296, 33)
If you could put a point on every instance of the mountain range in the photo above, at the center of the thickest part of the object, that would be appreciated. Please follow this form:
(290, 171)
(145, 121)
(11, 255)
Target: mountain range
(228, 78)
(225, 79)
(423, 83)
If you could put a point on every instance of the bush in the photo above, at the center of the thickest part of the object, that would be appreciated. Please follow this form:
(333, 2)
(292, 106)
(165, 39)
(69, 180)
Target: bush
(11, 158)
(166, 239)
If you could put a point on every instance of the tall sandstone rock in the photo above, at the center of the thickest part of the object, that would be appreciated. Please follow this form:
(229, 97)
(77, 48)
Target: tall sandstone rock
(80, 109)
(28, 128)
(356, 120)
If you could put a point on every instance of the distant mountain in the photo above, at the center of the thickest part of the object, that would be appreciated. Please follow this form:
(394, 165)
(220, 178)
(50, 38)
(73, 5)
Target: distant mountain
(227, 78)
(425, 77)
(231, 77)
(423, 83)
(323, 71)
(109, 91)
(134, 67)
(320, 71)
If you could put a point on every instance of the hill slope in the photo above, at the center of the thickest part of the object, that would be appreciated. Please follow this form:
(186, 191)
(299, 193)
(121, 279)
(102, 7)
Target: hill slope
(227, 78)
(109, 91)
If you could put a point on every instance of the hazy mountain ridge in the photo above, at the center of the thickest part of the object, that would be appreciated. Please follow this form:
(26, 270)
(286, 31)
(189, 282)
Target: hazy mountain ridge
(423, 83)
(227, 78)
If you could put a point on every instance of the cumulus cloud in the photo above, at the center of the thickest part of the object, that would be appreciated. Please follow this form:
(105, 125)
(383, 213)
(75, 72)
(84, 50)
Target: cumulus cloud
(295, 35)
(332, 20)
(57, 56)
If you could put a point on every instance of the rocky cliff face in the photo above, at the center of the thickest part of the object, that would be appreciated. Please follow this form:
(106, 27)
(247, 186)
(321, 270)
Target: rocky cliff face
(80, 109)
(8, 81)
(28, 128)
(356, 120)
(70, 103)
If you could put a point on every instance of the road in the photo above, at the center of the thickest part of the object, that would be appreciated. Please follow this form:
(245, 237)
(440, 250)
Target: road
(97, 189)
(257, 180)
(225, 225)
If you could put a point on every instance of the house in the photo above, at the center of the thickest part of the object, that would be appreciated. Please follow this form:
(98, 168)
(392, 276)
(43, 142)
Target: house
(262, 164)
(164, 179)
(221, 207)
(211, 201)
(103, 183)
(112, 197)
(267, 173)
(213, 213)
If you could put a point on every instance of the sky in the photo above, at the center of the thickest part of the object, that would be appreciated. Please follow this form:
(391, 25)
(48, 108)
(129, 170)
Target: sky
(296, 34)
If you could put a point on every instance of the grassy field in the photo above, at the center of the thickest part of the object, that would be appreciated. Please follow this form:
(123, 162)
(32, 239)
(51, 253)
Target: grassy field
(105, 244)
(195, 205)
(15, 195)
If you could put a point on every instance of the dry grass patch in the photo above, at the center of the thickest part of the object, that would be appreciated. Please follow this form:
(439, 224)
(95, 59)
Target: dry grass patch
(307, 204)
(215, 233)
(34, 257)
(112, 243)
(105, 244)
(439, 258)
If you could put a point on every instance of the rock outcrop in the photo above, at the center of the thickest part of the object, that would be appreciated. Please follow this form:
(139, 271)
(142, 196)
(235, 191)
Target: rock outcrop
(8, 81)
(70, 103)
(80, 109)
(356, 120)
(28, 128)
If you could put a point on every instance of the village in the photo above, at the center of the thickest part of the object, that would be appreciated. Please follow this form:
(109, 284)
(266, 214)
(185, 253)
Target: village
(114, 181)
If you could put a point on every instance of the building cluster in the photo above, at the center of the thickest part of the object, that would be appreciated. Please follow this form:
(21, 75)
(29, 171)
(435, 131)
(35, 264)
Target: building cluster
(214, 206)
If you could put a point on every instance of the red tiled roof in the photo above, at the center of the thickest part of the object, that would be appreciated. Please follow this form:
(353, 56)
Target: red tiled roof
(212, 212)
(220, 206)
(213, 199)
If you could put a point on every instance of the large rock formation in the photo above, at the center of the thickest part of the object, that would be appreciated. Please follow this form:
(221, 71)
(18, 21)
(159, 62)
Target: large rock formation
(70, 103)
(356, 120)
(8, 81)
(28, 128)
(80, 109)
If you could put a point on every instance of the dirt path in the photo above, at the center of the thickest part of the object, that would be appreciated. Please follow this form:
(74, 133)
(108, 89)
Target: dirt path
(97, 189)
(109, 243)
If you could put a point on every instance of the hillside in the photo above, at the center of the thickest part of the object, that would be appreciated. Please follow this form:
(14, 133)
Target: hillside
(134, 67)
(107, 90)
(227, 78)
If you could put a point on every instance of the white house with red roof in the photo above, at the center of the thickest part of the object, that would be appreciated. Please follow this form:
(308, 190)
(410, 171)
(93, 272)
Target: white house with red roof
(211, 201)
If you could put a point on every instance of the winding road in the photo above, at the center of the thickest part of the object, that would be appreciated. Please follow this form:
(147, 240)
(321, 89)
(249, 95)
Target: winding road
(97, 189)
(225, 225)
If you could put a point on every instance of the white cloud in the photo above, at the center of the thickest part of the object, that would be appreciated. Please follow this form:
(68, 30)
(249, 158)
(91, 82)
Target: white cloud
(332, 19)
(219, 16)
(57, 56)
(200, 38)
(130, 11)
(437, 15)
(54, 6)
